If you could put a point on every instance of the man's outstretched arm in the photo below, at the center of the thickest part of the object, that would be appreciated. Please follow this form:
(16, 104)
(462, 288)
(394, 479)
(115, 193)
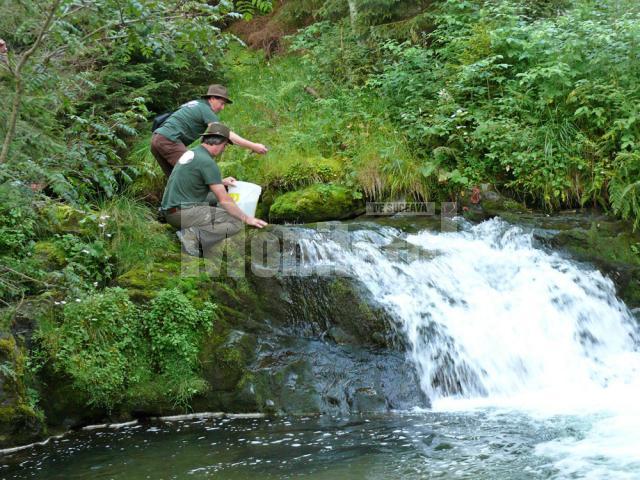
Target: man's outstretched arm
(244, 143)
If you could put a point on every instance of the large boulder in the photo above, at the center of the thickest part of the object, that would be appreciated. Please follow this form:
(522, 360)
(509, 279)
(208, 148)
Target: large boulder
(305, 344)
(306, 375)
(316, 203)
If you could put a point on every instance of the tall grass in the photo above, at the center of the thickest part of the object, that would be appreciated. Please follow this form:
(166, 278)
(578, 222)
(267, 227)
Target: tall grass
(332, 135)
(136, 236)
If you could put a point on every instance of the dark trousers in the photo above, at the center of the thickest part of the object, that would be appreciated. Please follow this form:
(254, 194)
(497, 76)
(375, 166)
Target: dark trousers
(166, 152)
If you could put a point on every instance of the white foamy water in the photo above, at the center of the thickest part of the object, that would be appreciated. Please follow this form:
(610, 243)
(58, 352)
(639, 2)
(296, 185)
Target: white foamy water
(493, 322)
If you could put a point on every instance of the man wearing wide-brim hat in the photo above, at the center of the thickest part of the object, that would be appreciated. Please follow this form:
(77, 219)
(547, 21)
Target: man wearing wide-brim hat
(185, 202)
(183, 127)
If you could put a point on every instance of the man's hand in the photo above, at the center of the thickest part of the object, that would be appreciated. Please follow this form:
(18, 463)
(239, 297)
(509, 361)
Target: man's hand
(225, 201)
(229, 181)
(259, 148)
(255, 222)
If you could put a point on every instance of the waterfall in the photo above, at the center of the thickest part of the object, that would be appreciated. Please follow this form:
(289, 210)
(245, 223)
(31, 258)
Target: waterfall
(495, 322)
(488, 314)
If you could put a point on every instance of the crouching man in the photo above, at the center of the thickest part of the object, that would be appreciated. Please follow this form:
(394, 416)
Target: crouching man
(185, 202)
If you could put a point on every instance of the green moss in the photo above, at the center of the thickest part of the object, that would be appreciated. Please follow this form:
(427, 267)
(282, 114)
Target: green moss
(50, 254)
(19, 421)
(602, 242)
(501, 206)
(225, 357)
(316, 203)
(356, 320)
(61, 218)
(19, 424)
(144, 282)
(11, 371)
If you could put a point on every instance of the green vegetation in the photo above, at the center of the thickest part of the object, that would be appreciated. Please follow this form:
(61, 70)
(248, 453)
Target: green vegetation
(113, 350)
(536, 98)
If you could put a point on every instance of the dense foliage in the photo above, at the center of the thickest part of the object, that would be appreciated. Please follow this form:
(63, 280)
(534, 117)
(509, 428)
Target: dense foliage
(546, 106)
(538, 98)
(79, 83)
(80, 76)
(115, 351)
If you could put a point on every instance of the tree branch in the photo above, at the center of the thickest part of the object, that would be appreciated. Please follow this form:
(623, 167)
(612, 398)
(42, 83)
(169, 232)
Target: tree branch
(17, 73)
(43, 31)
(27, 277)
(74, 11)
(93, 33)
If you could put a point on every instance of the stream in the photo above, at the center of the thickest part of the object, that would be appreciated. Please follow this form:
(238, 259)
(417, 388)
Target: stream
(529, 361)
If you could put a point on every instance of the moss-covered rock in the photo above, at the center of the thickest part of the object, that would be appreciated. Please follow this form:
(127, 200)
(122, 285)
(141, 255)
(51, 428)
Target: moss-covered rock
(483, 202)
(225, 359)
(145, 281)
(333, 308)
(50, 254)
(19, 422)
(61, 218)
(316, 203)
(611, 246)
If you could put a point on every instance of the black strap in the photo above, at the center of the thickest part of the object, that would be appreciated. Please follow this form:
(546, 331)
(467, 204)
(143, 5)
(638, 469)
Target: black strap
(159, 120)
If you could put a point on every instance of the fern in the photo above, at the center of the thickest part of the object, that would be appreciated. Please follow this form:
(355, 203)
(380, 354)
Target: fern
(624, 189)
(249, 8)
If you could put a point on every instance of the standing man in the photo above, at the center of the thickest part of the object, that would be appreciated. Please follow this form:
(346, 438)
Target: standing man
(185, 202)
(171, 140)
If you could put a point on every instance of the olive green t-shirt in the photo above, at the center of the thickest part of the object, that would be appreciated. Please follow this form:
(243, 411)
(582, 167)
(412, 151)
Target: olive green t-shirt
(188, 122)
(189, 182)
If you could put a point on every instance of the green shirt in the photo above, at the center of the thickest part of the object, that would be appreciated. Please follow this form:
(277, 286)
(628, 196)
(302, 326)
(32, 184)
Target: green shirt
(188, 122)
(189, 182)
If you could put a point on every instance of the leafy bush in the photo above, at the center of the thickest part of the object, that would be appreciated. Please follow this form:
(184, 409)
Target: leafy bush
(114, 350)
(97, 345)
(175, 328)
(624, 187)
(82, 99)
(18, 218)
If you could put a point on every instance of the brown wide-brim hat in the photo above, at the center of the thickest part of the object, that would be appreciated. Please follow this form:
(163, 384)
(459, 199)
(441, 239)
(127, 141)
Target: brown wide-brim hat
(219, 130)
(217, 90)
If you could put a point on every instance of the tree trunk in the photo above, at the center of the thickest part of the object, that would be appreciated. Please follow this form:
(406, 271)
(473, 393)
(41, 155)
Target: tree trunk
(353, 14)
(13, 120)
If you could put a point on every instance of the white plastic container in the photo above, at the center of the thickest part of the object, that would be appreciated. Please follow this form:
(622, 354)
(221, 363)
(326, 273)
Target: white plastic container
(246, 195)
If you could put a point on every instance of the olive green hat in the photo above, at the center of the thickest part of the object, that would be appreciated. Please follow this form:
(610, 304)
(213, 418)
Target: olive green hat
(219, 130)
(218, 91)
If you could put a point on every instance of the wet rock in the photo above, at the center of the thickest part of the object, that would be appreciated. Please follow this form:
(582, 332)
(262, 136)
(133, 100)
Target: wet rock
(310, 376)
(483, 202)
(333, 308)
(608, 244)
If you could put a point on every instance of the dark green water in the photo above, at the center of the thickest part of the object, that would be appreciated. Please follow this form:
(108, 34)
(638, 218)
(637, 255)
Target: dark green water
(430, 445)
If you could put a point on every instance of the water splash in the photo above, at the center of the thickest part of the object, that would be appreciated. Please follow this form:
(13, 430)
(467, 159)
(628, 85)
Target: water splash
(487, 314)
